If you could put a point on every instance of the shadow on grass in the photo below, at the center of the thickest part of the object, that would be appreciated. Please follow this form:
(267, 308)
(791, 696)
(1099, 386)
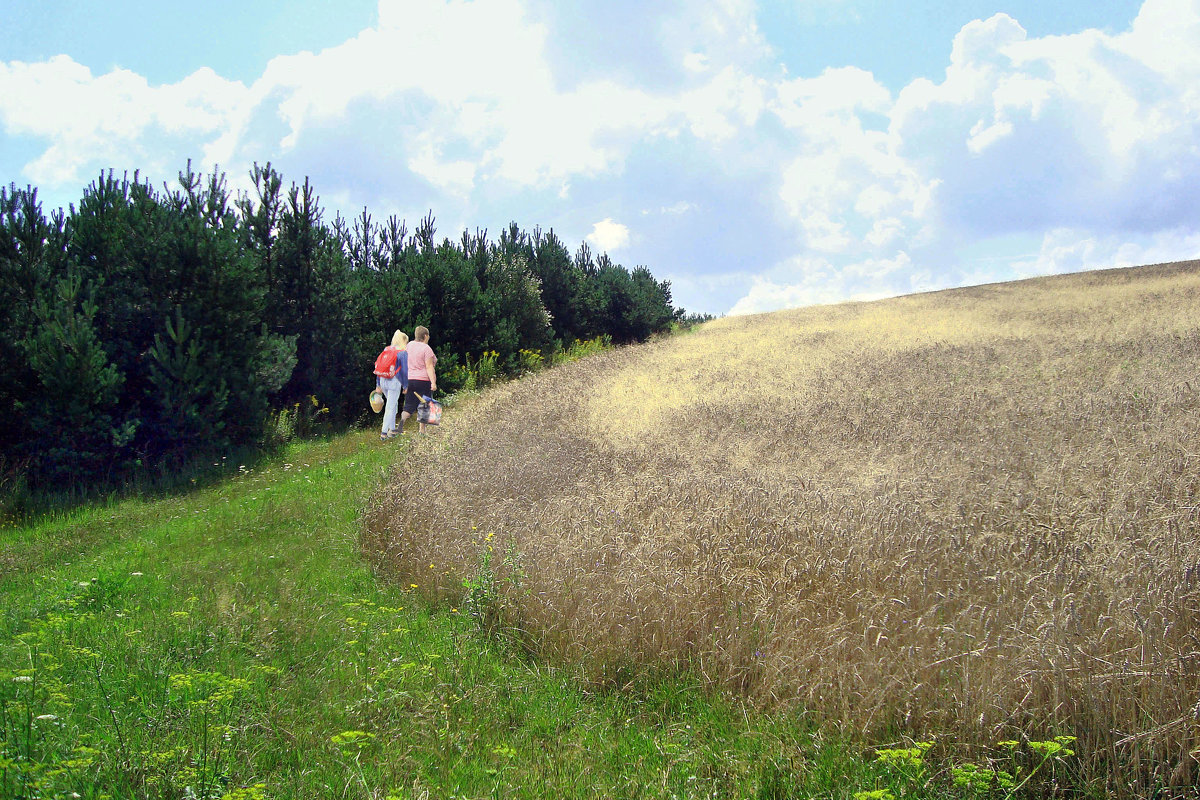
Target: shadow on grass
(24, 505)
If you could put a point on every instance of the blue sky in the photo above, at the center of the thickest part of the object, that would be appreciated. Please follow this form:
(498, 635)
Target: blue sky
(759, 155)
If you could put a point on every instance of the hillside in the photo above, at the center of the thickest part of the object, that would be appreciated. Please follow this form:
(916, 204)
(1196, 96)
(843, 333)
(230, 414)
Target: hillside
(971, 513)
(229, 643)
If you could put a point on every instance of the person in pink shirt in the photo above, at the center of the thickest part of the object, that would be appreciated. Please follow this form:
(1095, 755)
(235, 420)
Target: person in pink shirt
(422, 374)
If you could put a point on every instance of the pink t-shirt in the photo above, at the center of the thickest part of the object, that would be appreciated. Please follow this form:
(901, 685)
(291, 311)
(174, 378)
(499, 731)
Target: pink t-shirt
(418, 352)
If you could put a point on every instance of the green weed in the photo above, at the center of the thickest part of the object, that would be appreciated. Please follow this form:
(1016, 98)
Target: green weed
(230, 644)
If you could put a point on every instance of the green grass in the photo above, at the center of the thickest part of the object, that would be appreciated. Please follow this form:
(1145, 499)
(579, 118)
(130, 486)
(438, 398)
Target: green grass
(232, 643)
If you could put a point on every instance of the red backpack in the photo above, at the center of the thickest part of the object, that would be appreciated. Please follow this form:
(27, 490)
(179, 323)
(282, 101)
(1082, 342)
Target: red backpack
(385, 362)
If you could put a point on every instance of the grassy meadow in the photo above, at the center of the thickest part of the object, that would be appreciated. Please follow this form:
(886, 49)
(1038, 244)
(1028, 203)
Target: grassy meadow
(232, 642)
(969, 517)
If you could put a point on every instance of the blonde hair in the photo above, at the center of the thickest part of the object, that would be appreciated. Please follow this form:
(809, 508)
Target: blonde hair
(400, 338)
(421, 333)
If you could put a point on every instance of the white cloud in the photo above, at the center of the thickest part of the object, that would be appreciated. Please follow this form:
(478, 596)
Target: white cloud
(876, 269)
(1087, 141)
(695, 62)
(845, 186)
(728, 104)
(1090, 137)
(673, 210)
(722, 32)
(1071, 250)
(1087, 130)
(766, 295)
(93, 122)
(804, 281)
(832, 100)
(1164, 37)
(884, 232)
(500, 100)
(475, 73)
(982, 137)
(454, 176)
(608, 235)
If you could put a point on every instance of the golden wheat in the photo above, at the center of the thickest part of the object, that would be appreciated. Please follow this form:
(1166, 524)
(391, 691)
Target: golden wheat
(970, 513)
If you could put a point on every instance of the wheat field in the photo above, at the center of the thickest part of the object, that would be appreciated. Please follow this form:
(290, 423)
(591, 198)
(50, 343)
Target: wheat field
(970, 514)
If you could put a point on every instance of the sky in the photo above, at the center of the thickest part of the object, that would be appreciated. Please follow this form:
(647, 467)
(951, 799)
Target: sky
(758, 154)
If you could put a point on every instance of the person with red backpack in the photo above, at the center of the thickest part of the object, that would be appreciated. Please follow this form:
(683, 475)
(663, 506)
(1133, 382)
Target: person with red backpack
(391, 376)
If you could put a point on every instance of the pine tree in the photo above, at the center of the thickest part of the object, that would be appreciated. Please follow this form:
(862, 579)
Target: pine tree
(511, 300)
(31, 254)
(73, 412)
(562, 285)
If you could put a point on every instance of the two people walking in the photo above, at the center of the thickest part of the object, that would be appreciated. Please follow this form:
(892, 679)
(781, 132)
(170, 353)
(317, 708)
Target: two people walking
(409, 369)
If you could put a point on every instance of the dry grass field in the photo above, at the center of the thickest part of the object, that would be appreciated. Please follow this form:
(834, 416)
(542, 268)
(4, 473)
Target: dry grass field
(971, 514)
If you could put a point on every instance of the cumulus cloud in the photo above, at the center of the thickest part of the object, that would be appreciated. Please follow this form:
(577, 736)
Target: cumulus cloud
(820, 288)
(1087, 130)
(1089, 138)
(846, 187)
(695, 62)
(808, 188)
(467, 87)
(104, 119)
(675, 209)
(804, 281)
(607, 235)
(1074, 250)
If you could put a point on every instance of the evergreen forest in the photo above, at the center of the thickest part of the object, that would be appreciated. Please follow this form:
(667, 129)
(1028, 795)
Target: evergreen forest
(146, 329)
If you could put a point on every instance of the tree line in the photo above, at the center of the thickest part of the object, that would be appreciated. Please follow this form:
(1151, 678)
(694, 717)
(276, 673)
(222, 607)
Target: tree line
(145, 328)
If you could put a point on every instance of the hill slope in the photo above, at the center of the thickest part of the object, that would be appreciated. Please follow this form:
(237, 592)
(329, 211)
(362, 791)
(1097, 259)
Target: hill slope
(229, 644)
(972, 512)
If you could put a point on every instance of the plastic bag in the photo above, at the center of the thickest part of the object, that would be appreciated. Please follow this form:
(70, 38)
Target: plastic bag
(429, 412)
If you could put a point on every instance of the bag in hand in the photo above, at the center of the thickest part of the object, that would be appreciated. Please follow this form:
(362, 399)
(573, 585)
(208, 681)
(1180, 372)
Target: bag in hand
(429, 412)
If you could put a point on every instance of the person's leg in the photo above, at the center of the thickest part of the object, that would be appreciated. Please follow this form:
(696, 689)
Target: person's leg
(391, 389)
(413, 398)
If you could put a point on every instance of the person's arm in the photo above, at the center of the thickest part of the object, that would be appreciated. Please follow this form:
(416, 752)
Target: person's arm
(429, 367)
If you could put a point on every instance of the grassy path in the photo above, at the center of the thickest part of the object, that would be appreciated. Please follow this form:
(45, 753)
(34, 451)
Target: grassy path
(231, 643)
